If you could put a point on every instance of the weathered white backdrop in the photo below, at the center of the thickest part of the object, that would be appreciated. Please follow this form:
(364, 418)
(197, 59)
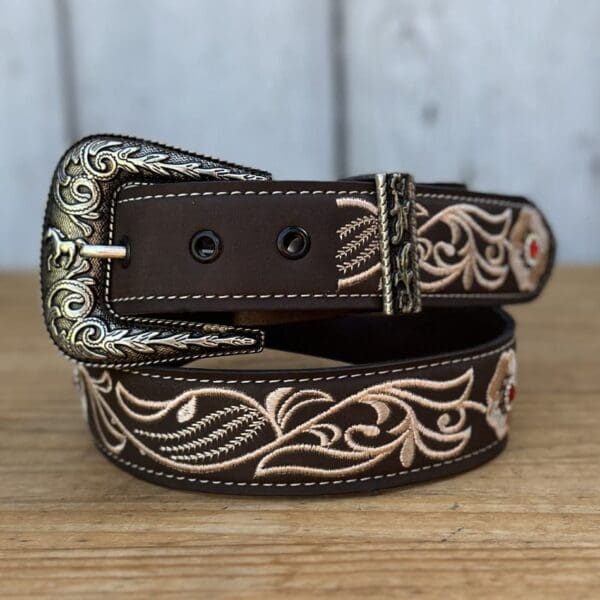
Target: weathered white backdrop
(502, 94)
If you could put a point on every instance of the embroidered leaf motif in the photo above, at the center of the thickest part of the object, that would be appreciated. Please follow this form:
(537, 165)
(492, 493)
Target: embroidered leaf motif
(187, 411)
(407, 454)
(214, 437)
(328, 434)
(234, 435)
(274, 398)
(284, 403)
(303, 460)
(389, 422)
(357, 256)
(296, 432)
(475, 250)
(382, 410)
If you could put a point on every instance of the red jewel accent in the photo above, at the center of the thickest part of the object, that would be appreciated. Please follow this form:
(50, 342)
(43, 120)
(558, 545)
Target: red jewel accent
(534, 249)
(512, 392)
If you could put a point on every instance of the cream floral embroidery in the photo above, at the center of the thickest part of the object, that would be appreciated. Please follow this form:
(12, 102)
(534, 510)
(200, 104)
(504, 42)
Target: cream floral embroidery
(358, 257)
(476, 251)
(481, 248)
(529, 269)
(499, 391)
(302, 432)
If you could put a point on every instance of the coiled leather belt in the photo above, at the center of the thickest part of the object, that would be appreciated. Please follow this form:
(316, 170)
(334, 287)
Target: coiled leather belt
(153, 257)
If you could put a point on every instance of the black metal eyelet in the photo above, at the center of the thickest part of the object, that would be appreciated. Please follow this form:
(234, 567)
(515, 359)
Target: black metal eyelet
(293, 242)
(206, 246)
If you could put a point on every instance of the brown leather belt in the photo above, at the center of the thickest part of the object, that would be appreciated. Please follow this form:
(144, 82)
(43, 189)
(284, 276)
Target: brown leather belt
(154, 257)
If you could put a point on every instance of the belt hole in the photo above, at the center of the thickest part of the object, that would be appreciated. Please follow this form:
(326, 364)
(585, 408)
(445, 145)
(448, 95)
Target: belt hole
(293, 242)
(206, 246)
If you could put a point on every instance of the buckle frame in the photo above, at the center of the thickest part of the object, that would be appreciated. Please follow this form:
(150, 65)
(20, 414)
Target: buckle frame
(77, 252)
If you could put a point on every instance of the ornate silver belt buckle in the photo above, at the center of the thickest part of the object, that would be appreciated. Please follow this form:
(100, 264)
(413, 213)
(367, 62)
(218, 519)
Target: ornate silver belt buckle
(78, 250)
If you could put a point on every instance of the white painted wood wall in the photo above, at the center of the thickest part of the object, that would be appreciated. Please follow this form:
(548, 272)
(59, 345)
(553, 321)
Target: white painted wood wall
(502, 94)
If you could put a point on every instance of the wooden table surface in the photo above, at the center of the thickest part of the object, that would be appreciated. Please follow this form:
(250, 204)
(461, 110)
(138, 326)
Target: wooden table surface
(527, 525)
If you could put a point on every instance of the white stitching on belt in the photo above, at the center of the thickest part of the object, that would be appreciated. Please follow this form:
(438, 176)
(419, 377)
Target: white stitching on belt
(473, 199)
(239, 296)
(246, 193)
(452, 361)
(137, 467)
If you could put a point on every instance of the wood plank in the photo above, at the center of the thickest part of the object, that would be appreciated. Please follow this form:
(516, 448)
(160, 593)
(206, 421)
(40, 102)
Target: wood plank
(501, 95)
(31, 125)
(249, 82)
(526, 525)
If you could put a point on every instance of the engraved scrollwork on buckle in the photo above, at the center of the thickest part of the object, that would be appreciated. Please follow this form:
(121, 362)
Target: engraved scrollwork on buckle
(399, 249)
(77, 250)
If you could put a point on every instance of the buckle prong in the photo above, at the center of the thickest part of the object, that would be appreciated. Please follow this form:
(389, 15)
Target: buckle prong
(104, 252)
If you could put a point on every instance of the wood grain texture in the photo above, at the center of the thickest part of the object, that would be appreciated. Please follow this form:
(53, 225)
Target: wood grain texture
(527, 525)
(502, 95)
(249, 82)
(31, 125)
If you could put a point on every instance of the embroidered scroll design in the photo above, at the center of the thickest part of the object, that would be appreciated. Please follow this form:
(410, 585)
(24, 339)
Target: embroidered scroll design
(294, 431)
(481, 248)
(476, 251)
(78, 214)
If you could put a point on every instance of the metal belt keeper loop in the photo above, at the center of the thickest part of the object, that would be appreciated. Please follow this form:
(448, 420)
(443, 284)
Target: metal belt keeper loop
(399, 249)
